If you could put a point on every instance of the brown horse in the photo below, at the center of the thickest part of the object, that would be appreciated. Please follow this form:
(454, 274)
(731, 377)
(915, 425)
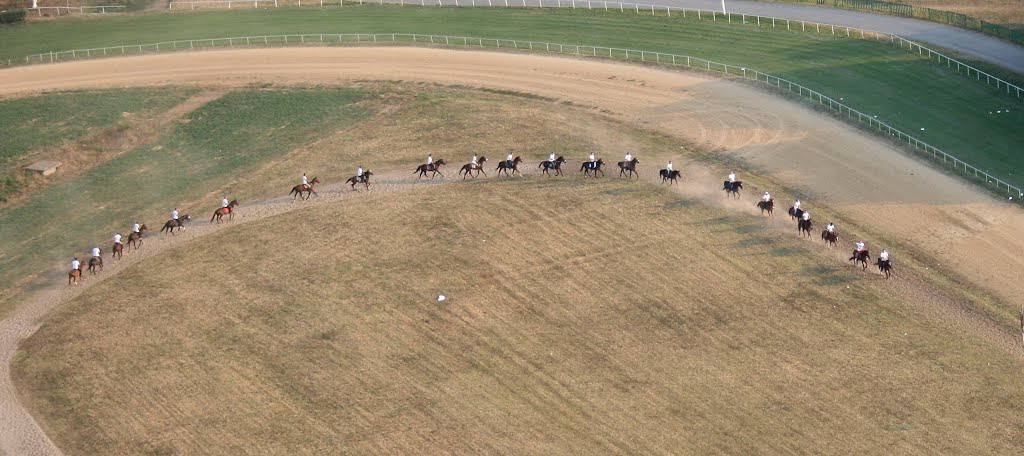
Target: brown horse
(470, 167)
(732, 188)
(134, 238)
(298, 190)
(506, 165)
(830, 238)
(629, 166)
(766, 206)
(172, 224)
(555, 165)
(93, 263)
(74, 276)
(221, 212)
(117, 250)
(672, 177)
(365, 180)
(861, 257)
(435, 168)
(803, 227)
(594, 166)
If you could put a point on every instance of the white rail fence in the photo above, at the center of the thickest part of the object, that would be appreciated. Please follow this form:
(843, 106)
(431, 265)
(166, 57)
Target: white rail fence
(102, 9)
(638, 8)
(558, 48)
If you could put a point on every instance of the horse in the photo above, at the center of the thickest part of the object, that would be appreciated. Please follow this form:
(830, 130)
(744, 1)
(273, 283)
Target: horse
(137, 237)
(298, 190)
(74, 276)
(766, 206)
(93, 263)
(221, 212)
(433, 167)
(885, 267)
(629, 166)
(671, 177)
(804, 227)
(555, 165)
(594, 166)
(796, 213)
(861, 257)
(505, 165)
(829, 238)
(365, 180)
(468, 168)
(172, 224)
(118, 251)
(732, 188)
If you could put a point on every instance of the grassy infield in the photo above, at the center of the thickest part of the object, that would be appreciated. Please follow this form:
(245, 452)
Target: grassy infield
(214, 148)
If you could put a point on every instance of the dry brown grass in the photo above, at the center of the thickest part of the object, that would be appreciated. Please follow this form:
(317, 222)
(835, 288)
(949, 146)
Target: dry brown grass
(1003, 12)
(584, 317)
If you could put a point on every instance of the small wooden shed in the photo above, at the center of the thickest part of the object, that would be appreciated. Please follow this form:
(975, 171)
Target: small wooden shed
(43, 168)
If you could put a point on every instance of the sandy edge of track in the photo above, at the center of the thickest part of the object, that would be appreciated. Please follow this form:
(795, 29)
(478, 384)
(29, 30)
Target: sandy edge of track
(853, 173)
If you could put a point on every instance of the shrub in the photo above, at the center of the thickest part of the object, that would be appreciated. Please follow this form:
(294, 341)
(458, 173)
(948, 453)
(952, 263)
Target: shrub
(12, 16)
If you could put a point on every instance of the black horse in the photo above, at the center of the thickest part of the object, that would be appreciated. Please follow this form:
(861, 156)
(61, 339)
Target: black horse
(555, 165)
(885, 267)
(435, 168)
(629, 168)
(830, 238)
(178, 224)
(804, 227)
(505, 165)
(766, 206)
(732, 188)
(796, 213)
(594, 166)
(862, 257)
(670, 176)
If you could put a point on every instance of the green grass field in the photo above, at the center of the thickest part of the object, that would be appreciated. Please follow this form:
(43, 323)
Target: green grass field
(223, 139)
(953, 110)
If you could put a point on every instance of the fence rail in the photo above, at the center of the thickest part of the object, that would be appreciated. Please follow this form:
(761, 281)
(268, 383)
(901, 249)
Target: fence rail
(559, 48)
(640, 8)
(81, 9)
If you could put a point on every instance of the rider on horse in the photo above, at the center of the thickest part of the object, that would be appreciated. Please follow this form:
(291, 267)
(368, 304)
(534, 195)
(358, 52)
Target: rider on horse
(551, 158)
(830, 228)
(430, 160)
(117, 238)
(472, 161)
(304, 181)
(669, 166)
(732, 177)
(75, 264)
(796, 205)
(224, 201)
(884, 256)
(766, 197)
(508, 160)
(807, 216)
(174, 214)
(858, 249)
(135, 228)
(359, 173)
(96, 252)
(592, 161)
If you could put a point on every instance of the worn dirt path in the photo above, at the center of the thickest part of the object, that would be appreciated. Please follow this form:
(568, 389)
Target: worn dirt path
(853, 173)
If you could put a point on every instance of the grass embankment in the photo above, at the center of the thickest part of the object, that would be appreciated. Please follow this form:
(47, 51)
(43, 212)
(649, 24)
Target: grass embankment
(958, 115)
(34, 125)
(213, 145)
(583, 317)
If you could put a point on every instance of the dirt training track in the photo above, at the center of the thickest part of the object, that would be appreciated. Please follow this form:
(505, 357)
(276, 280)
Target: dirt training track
(854, 174)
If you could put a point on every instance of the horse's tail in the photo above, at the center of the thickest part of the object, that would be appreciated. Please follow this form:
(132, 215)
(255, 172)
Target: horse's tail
(214, 216)
(418, 169)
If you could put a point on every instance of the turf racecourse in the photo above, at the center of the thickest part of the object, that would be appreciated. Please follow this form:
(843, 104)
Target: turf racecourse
(596, 316)
(958, 115)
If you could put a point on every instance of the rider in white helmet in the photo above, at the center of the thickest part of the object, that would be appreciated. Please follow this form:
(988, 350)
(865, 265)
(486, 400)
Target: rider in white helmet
(359, 173)
(592, 160)
(224, 201)
(174, 214)
(96, 252)
(509, 157)
(117, 238)
(859, 247)
(551, 157)
(669, 166)
(766, 197)
(304, 181)
(796, 205)
(473, 160)
(430, 159)
(807, 215)
(629, 157)
(830, 228)
(884, 256)
(75, 264)
(732, 177)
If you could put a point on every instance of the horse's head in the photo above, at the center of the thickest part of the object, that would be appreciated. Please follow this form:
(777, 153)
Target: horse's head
(482, 159)
(561, 159)
(316, 180)
(367, 173)
(233, 203)
(439, 162)
(185, 218)
(517, 159)
(143, 228)
(600, 161)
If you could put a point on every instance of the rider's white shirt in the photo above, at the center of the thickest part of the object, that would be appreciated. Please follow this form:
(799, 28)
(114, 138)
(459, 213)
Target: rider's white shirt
(473, 160)
(174, 215)
(860, 246)
(135, 228)
(629, 157)
(117, 238)
(509, 158)
(807, 215)
(766, 197)
(224, 202)
(430, 159)
(304, 182)
(75, 264)
(796, 204)
(884, 256)
(359, 171)
(732, 178)
(831, 228)
(669, 166)
(592, 157)
(95, 251)
(551, 157)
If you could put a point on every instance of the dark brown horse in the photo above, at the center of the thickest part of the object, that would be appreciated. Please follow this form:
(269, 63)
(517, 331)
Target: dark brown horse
(732, 188)
(468, 168)
(221, 212)
(74, 276)
(435, 168)
(555, 165)
(766, 206)
(629, 166)
(172, 224)
(298, 190)
(885, 267)
(365, 180)
(862, 257)
(506, 165)
(117, 251)
(594, 166)
(95, 262)
(670, 177)
(803, 227)
(830, 238)
(134, 238)
(796, 213)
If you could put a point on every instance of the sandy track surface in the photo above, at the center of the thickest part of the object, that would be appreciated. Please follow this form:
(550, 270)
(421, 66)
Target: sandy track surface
(854, 173)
